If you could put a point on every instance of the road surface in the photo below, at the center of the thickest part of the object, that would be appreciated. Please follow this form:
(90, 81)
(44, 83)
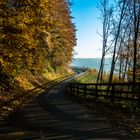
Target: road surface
(55, 116)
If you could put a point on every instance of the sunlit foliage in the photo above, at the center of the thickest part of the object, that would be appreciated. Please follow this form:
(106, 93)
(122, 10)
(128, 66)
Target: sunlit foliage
(35, 36)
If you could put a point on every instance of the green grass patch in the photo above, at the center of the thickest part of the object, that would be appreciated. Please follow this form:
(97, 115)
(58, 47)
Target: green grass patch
(90, 77)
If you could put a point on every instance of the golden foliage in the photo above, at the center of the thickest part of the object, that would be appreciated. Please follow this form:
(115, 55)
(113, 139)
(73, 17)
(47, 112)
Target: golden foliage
(35, 36)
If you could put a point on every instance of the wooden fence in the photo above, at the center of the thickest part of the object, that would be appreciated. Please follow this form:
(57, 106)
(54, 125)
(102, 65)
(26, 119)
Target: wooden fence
(114, 92)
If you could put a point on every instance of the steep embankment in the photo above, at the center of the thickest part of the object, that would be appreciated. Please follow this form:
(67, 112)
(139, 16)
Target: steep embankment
(36, 44)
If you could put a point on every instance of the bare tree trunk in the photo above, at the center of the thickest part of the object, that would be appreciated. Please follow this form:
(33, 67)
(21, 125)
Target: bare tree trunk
(125, 69)
(116, 41)
(127, 57)
(120, 69)
(100, 70)
(106, 13)
(136, 29)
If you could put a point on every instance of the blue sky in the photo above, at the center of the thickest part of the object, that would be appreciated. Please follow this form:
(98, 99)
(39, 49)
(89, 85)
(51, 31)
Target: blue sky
(86, 19)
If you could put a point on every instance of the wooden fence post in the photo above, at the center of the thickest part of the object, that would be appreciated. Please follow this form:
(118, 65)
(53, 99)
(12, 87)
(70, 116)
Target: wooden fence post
(138, 94)
(85, 91)
(70, 88)
(139, 100)
(77, 89)
(112, 94)
(96, 91)
(134, 90)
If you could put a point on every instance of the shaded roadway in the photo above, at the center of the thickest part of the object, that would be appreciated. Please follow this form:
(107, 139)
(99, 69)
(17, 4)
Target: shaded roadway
(56, 116)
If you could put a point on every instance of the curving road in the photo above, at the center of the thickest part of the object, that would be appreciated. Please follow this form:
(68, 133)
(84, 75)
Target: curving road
(56, 116)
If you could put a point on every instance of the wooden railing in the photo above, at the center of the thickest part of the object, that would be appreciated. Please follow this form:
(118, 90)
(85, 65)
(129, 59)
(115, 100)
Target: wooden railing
(114, 92)
(79, 69)
(32, 92)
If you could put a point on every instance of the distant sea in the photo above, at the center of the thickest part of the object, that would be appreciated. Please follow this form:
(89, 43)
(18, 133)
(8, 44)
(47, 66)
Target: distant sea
(93, 63)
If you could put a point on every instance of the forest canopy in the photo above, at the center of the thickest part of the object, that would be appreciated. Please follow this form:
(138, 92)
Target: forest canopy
(35, 36)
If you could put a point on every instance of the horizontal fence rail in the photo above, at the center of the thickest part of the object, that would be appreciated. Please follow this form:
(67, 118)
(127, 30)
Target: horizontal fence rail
(79, 69)
(16, 97)
(114, 92)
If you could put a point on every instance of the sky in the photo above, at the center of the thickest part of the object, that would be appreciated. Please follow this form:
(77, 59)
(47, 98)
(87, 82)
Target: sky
(86, 18)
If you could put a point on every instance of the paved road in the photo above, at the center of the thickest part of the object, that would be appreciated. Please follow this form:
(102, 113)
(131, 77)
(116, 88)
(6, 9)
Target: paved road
(56, 116)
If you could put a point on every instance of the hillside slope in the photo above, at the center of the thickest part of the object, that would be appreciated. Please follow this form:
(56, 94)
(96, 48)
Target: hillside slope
(36, 44)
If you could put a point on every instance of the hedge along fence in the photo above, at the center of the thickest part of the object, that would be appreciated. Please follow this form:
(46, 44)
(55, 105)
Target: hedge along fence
(126, 93)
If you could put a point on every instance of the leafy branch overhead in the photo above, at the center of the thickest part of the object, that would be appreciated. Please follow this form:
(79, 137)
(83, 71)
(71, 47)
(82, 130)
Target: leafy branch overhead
(35, 34)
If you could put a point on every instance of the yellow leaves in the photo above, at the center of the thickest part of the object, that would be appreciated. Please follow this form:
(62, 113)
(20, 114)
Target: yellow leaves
(2, 1)
(34, 37)
(1, 61)
(33, 33)
(10, 55)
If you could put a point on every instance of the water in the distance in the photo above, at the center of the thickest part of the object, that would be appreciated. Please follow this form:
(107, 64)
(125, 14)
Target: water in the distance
(93, 63)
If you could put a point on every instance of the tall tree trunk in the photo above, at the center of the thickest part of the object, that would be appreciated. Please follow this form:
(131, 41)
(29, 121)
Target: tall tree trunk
(125, 69)
(115, 46)
(120, 69)
(136, 29)
(106, 15)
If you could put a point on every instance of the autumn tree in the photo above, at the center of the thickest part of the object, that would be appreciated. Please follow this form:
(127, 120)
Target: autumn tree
(34, 36)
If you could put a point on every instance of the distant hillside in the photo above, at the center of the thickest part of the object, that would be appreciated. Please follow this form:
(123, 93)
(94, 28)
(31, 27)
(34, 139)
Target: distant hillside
(91, 63)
